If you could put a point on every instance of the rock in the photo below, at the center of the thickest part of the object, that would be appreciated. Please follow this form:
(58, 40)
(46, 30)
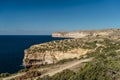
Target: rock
(52, 52)
(51, 57)
(88, 33)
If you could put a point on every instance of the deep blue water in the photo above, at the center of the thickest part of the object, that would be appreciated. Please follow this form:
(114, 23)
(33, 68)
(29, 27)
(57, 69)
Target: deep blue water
(12, 50)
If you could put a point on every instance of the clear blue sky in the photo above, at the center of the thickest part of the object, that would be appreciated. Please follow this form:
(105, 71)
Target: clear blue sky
(26, 17)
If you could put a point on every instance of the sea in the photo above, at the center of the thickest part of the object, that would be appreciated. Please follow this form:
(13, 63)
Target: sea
(12, 50)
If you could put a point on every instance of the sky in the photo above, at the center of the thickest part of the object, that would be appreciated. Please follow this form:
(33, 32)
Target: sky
(42, 17)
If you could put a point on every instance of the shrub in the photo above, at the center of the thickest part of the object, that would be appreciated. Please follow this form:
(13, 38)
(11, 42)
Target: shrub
(4, 75)
(64, 75)
(65, 60)
(23, 70)
(29, 74)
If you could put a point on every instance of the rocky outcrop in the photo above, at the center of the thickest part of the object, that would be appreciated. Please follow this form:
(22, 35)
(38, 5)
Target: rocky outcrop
(88, 33)
(52, 52)
(51, 57)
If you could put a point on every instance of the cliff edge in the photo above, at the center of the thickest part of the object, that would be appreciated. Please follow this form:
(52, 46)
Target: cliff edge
(88, 33)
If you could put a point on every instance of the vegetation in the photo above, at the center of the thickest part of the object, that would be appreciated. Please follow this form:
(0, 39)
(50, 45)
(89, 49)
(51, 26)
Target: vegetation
(29, 74)
(23, 70)
(105, 66)
(64, 75)
(2, 75)
(61, 45)
(65, 60)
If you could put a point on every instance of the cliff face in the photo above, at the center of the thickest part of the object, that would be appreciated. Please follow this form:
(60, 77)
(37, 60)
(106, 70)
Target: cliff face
(87, 33)
(52, 52)
(50, 57)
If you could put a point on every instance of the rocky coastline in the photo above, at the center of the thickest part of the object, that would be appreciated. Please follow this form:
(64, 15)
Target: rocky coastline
(54, 51)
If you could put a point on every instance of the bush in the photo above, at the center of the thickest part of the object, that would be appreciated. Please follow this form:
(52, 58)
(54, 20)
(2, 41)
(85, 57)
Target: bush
(64, 75)
(29, 74)
(4, 75)
(65, 60)
(23, 70)
(45, 78)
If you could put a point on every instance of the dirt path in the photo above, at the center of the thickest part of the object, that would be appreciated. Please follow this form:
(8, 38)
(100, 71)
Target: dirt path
(51, 72)
(55, 69)
(13, 76)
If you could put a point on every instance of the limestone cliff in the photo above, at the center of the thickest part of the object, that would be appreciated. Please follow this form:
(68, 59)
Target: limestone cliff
(88, 33)
(52, 52)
